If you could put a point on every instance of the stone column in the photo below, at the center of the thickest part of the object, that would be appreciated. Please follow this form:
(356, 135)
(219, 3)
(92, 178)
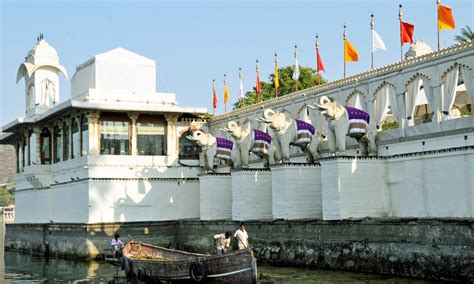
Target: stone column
(79, 132)
(37, 131)
(17, 157)
(171, 134)
(52, 145)
(61, 140)
(402, 115)
(93, 121)
(69, 127)
(26, 133)
(133, 135)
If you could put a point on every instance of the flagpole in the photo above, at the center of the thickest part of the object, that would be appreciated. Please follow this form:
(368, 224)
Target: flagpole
(317, 59)
(296, 58)
(213, 96)
(437, 23)
(276, 68)
(372, 29)
(241, 90)
(400, 14)
(258, 81)
(225, 85)
(344, 38)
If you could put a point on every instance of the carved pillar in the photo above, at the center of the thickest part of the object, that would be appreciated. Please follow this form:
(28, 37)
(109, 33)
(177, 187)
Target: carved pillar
(133, 133)
(79, 134)
(52, 145)
(37, 131)
(26, 133)
(17, 146)
(94, 136)
(171, 134)
(69, 146)
(402, 113)
(437, 95)
(59, 124)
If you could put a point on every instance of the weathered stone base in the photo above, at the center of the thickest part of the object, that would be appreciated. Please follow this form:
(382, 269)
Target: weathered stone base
(440, 249)
(252, 194)
(216, 196)
(296, 192)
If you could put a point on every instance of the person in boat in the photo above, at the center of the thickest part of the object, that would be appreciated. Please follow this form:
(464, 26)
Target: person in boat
(242, 237)
(116, 245)
(222, 243)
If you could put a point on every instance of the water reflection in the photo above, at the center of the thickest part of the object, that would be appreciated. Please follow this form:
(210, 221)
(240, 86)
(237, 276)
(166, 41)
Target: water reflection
(21, 268)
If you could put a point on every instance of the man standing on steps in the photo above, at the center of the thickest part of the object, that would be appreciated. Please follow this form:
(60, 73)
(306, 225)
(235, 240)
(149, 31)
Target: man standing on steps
(242, 237)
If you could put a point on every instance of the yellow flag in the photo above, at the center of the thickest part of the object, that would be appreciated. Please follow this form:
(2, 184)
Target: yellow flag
(350, 53)
(226, 94)
(445, 18)
(277, 81)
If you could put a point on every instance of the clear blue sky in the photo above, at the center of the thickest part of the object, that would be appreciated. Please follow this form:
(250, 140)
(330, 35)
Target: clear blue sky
(194, 42)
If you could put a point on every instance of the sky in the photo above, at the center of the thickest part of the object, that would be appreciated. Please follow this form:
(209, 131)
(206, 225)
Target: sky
(194, 42)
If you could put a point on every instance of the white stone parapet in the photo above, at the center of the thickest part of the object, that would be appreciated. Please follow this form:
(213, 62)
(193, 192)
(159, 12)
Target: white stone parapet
(296, 191)
(216, 196)
(251, 194)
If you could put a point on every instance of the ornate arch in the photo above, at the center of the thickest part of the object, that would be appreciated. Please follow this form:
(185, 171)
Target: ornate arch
(383, 84)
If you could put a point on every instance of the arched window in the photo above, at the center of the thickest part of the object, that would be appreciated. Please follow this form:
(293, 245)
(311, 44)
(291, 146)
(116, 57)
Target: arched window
(45, 146)
(66, 141)
(76, 142)
(58, 144)
(188, 149)
(84, 135)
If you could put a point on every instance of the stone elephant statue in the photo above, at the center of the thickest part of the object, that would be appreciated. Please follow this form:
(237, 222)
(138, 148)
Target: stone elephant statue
(252, 140)
(215, 147)
(347, 121)
(288, 131)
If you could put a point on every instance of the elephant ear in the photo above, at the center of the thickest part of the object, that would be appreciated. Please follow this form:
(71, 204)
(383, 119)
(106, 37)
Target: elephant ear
(247, 124)
(288, 114)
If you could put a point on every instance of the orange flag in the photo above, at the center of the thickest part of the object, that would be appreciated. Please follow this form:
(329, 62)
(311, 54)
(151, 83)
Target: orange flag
(214, 99)
(406, 32)
(445, 18)
(350, 53)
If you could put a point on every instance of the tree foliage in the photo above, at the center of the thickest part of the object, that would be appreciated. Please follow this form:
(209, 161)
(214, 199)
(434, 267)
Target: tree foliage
(465, 36)
(308, 78)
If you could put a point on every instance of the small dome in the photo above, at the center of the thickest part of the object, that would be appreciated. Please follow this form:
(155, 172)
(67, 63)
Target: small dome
(41, 55)
(418, 48)
(41, 51)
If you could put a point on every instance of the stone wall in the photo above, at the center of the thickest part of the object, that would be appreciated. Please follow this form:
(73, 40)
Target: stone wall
(423, 248)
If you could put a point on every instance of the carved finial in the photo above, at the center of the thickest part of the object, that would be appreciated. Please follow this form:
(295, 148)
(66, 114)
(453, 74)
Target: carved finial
(372, 21)
(256, 65)
(276, 59)
(400, 12)
(344, 35)
(317, 41)
(296, 51)
(240, 73)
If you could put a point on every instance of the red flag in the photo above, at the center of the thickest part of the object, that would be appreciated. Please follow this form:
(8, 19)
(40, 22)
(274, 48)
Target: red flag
(406, 32)
(257, 88)
(320, 62)
(214, 101)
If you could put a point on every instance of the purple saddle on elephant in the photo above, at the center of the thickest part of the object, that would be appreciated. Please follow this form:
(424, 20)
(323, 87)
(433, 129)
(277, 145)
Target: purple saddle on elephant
(359, 121)
(261, 142)
(304, 132)
(224, 148)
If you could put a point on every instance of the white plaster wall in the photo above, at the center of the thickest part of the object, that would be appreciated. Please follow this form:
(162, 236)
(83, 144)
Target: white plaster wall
(216, 197)
(437, 185)
(70, 203)
(354, 188)
(251, 195)
(141, 200)
(125, 76)
(82, 80)
(31, 206)
(296, 192)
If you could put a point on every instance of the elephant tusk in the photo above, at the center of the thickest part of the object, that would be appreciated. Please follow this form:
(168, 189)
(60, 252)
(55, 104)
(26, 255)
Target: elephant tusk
(225, 129)
(311, 107)
(190, 137)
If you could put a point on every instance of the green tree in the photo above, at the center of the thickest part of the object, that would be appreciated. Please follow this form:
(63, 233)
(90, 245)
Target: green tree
(465, 36)
(308, 78)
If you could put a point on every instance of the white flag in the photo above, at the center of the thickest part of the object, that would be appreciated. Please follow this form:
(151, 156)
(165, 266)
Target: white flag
(296, 73)
(241, 89)
(377, 42)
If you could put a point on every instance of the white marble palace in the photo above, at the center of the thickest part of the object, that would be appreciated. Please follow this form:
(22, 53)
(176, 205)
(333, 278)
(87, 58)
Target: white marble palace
(117, 151)
(111, 150)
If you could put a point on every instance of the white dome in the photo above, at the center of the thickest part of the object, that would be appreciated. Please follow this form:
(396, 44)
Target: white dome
(418, 48)
(41, 55)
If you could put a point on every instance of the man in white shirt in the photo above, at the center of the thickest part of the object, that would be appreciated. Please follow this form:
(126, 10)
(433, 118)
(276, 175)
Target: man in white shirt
(116, 245)
(242, 237)
(222, 243)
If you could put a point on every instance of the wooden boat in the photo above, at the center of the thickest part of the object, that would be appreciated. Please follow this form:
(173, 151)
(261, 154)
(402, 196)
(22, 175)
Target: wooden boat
(150, 263)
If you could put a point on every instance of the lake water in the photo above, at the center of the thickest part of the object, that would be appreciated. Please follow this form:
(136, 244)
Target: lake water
(24, 268)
